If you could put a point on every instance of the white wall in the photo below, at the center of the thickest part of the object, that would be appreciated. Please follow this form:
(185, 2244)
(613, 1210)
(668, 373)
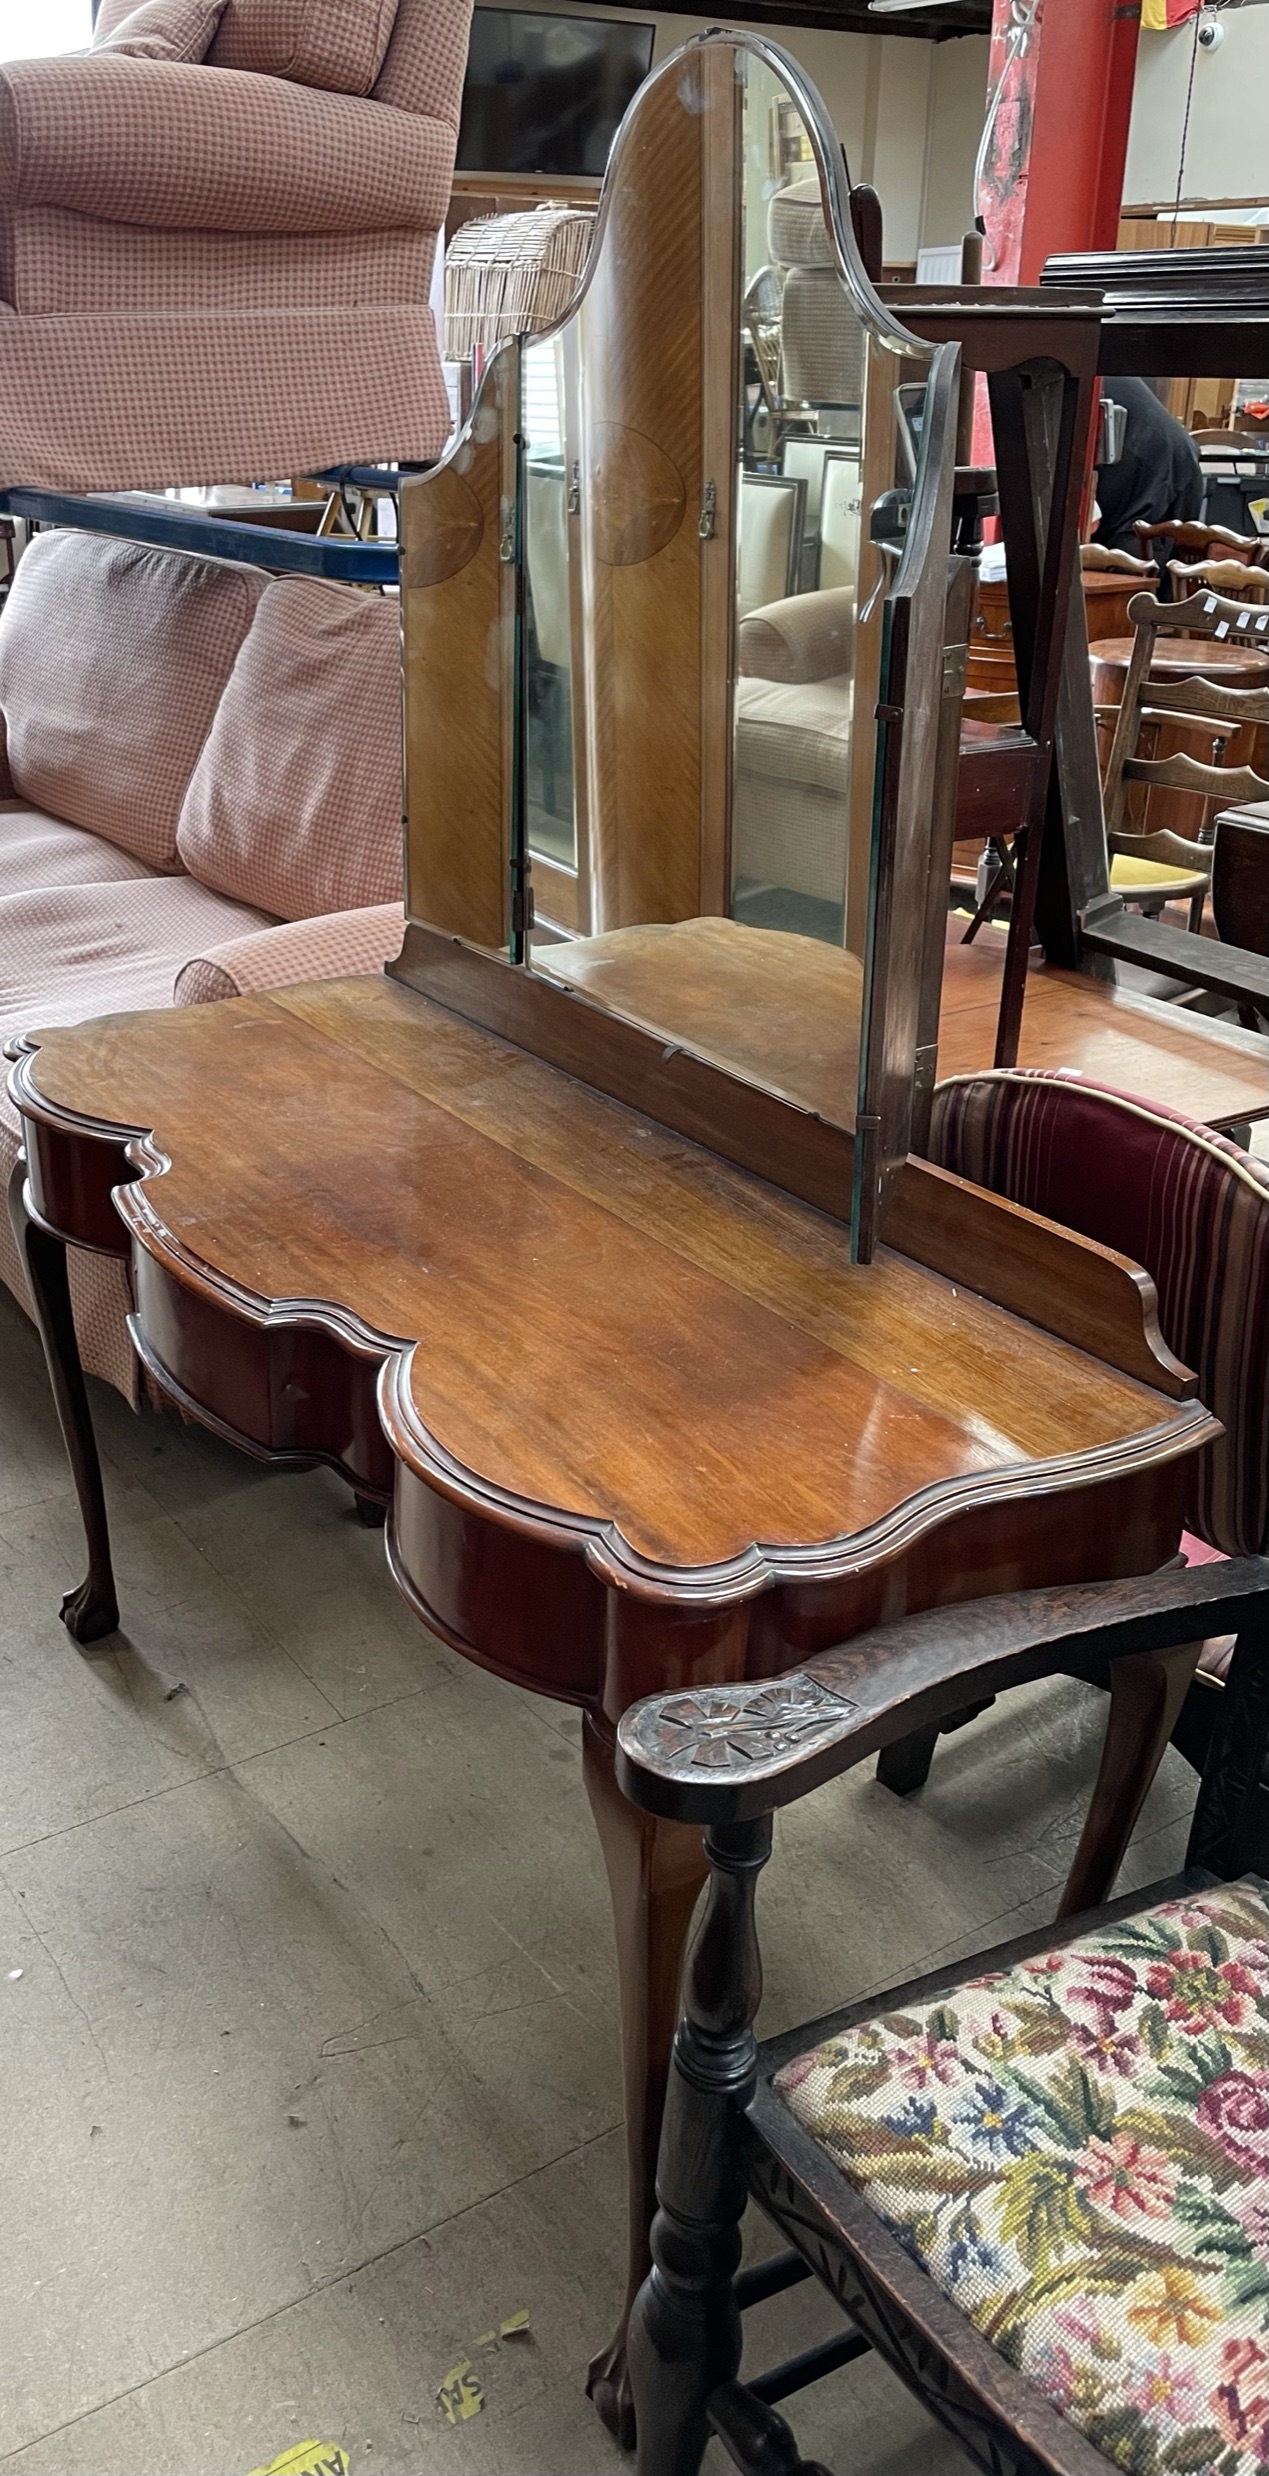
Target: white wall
(1227, 151)
(908, 113)
(958, 102)
(31, 29)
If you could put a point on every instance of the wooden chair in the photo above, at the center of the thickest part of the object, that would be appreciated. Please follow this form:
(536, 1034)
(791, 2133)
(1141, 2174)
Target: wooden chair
(1240, 892)
(1193, 1210)
(1240, 580)
(1154, 868)
(1034, 2180)
(1096, 559)
(1200, 541)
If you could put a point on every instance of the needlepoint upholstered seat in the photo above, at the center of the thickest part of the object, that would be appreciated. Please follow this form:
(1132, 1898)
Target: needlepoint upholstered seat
(1076, 2149)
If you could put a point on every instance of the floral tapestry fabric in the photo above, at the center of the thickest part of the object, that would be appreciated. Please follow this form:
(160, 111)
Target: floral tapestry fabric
(1077, 2151)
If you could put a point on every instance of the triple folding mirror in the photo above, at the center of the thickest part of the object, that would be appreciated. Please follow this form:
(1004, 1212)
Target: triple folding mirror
(673, 613)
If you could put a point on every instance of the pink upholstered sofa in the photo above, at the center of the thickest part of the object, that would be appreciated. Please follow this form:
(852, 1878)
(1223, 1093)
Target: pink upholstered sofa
(200, 795)
(217, 230)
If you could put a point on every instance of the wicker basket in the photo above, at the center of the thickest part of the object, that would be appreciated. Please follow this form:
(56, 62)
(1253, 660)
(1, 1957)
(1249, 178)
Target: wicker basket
(512, 275)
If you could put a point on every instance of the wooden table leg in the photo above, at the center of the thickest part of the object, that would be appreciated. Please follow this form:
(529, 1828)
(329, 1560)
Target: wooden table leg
(93, 1610)
(655, 1872)
(1146, 1694)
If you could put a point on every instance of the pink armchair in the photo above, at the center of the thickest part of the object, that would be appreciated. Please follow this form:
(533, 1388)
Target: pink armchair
(213, 271)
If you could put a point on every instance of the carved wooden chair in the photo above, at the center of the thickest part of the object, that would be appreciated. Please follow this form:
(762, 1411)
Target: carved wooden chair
(1161, 866)
(1034, 2180)
(1193, 1210)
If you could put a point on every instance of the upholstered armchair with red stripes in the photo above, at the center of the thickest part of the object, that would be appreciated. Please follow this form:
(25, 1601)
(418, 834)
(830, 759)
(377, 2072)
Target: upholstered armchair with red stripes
(217, 233)
(1192, 1209)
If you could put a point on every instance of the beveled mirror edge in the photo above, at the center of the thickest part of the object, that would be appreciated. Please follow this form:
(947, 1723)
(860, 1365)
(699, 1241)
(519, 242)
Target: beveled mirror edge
(898, 956)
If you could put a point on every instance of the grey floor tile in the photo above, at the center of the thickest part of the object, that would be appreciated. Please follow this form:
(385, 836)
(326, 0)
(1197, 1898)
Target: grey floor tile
(360, 2362)
(461, 1815)
(311, 2066)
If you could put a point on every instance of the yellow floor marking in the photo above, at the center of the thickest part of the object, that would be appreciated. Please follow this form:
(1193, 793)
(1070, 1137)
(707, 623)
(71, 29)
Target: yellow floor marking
(460, 2394)
(307, 2459)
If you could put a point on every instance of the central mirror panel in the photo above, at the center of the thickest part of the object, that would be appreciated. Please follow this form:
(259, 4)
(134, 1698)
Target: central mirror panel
(689, 547)
(719, 459)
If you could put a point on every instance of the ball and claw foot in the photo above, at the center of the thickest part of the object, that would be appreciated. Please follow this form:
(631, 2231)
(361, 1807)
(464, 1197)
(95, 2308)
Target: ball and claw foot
(608, 2389)
(89, 1614)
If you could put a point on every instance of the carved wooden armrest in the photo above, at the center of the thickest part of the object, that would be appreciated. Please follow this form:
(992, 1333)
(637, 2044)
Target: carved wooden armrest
(727, 1753)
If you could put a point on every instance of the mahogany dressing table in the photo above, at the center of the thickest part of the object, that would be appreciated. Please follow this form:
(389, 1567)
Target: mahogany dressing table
(592, 1240)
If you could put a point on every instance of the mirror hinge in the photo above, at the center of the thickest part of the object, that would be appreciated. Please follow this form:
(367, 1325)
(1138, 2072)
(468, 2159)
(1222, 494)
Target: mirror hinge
(521, 910)
(709, 506)
(574, 500)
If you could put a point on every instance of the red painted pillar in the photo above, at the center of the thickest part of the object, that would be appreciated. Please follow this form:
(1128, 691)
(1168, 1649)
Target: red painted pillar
(1052, 175)
(1059, 90)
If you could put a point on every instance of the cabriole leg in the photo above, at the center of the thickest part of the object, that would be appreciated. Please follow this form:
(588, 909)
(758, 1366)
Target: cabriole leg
(92, 1611)
(655, 1872)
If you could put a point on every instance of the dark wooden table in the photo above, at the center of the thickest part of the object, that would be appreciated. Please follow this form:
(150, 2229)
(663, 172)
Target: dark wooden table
(1215, 1072)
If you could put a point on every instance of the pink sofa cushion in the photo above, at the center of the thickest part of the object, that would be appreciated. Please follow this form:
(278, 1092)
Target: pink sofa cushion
(52, 261)
(113, 659)
(68, 952)
(244, 393)
(164, 30)
(36, 851)
(337, 44)
(296, 800)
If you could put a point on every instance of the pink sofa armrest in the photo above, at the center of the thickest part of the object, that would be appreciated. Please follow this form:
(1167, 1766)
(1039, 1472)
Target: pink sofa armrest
(181, 145)
(337, 945)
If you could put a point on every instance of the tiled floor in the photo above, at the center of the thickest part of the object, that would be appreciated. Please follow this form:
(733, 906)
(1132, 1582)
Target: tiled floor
(310, 2070)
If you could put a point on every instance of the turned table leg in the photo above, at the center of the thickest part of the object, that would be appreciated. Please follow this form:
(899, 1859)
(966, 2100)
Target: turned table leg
(655, 1871)
(93, 1610)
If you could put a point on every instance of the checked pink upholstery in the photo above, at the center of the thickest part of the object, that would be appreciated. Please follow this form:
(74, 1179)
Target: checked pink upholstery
(1187, 1205)
(300, 819)
(338, 947)
(146, 850)
(213, 273)
(113, 660)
